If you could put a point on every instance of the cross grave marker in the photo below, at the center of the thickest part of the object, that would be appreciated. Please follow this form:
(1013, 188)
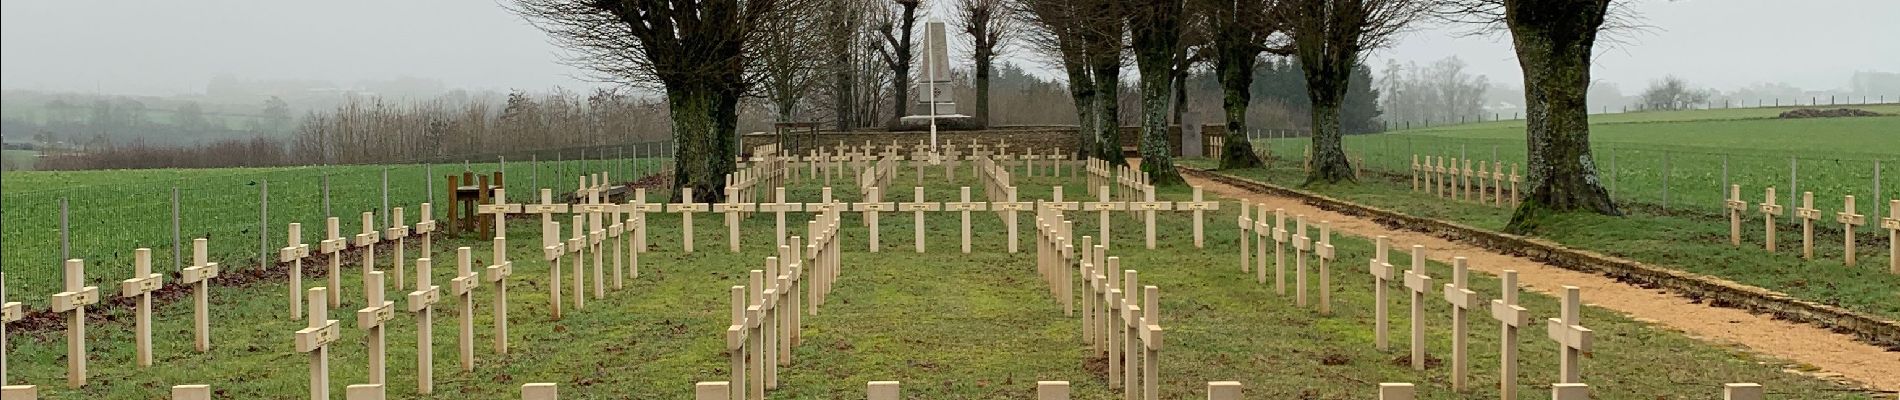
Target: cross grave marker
(1849, 220)
(1417, 280)
(141, 285)
(1381, 270)
(1511, 317)
(422, 302)
(199, 276)
(1572, 338)
(374, 318)
(1770, 210)
(315, 340)
(1462, 299)
(73, 301)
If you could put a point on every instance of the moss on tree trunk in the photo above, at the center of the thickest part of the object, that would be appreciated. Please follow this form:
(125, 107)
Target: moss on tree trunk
(1554, 40)
(704, 120)
(1235, 68)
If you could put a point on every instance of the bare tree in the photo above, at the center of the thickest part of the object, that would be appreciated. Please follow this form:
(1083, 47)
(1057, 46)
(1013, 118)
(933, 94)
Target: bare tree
(790, 71)
(1328, 36)
(704, 55)
(1555, 40)
(991, 27)
(896, 26)
(1238, 31)
(1058, 28)
(1155, 26)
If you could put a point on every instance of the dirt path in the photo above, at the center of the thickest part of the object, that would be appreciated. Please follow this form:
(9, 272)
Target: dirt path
(1832, 353)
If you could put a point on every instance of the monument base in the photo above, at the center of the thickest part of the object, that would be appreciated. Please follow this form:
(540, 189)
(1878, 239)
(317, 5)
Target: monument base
(954, 122)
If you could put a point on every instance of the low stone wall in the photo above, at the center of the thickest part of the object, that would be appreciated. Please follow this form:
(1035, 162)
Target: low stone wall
(1040, 138)
(1717, 291)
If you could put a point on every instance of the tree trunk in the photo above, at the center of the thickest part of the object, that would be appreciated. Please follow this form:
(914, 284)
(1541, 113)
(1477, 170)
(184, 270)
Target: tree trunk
(1107, 70)
(1329, 155)
(1082, 93)
(983, 64)
(1554, 41)
(1157, 154)
(842, 92)
(1178, 78)
(704, 120)
(1235, 69)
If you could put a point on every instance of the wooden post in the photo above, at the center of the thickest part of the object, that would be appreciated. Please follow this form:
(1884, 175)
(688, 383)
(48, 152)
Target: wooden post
(1735, 206)
(1397, 391)
(462, 286)
(1572, 338)
(73, 301)
(1892, 224)
(551, 251)
(1324, 252)
(1301, 244)
(1849, 220)
(1808, 214)
(1246, 230)
(375, 317)
(293, 253)
(1742, 391)
(1381, 270)
(315, 340)
(422, 302)
(141, 285)
(1510, 317)
(1462, 299)
(1223, 390)
(539, 391)
(334, 247)
(1417, 280)
(1200, 208)
(187, 392)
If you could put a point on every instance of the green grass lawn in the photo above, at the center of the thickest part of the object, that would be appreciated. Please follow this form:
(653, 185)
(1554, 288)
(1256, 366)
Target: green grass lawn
(1682, 164)
(1687, 242)
(116, 211)
(949, 325)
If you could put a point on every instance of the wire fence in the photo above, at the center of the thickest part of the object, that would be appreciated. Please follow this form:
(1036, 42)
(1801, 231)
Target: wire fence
(102, 216)
(1664, 177)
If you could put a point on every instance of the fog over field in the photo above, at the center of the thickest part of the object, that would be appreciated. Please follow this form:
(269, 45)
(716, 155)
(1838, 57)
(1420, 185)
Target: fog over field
(177, 47)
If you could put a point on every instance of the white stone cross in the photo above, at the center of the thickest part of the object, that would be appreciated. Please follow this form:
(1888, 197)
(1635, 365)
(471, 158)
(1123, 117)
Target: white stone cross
(141, 285)
(1849, 220)
(965, 206)
(872, 205)
(422, 302)
(462, 286)
(1323, 251)
(1148, 206)
(1102, 206)
(367, 241)
(498, 273)
(396, 232)
(686, 207)
(1572, 338)
(919, 207)
(1462, 299)
(1381, 270)
(1417, 280)
(1301, 245)
(1510, 318)
(199, 276)
(1735, 206)
(595, 234)
(551, 251)
(1770, 210)
(315, 340)
(293, 252)
(73, 301)
(734, 207)
(778, 208)
(640, 208)
(577, 244)
(334, 247)
(1808, 214)
(500, 209)
(1497, 183)
(1010, 206)
(1892, 224)
(10, 311)
(374, 318)
(547, 208)
(425, 226)
(1200, 208)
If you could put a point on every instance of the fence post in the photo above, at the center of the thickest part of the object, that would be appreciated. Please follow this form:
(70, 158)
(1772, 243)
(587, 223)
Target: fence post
(534, 175)
(65, 235)
(1612, 172)
(428, 181)
(326, 193)
(1877, 195)
(385, 219)
(177, 258)
(263, 223)
(1724, 176)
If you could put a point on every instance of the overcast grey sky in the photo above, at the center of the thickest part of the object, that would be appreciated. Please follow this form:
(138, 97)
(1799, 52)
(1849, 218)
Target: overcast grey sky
(176, 46)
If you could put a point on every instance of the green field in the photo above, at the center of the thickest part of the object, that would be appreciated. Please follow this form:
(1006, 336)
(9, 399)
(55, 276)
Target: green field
(1670, 160)
(20, 160)
(1834, 157)
(114, 212)
(948, 325)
